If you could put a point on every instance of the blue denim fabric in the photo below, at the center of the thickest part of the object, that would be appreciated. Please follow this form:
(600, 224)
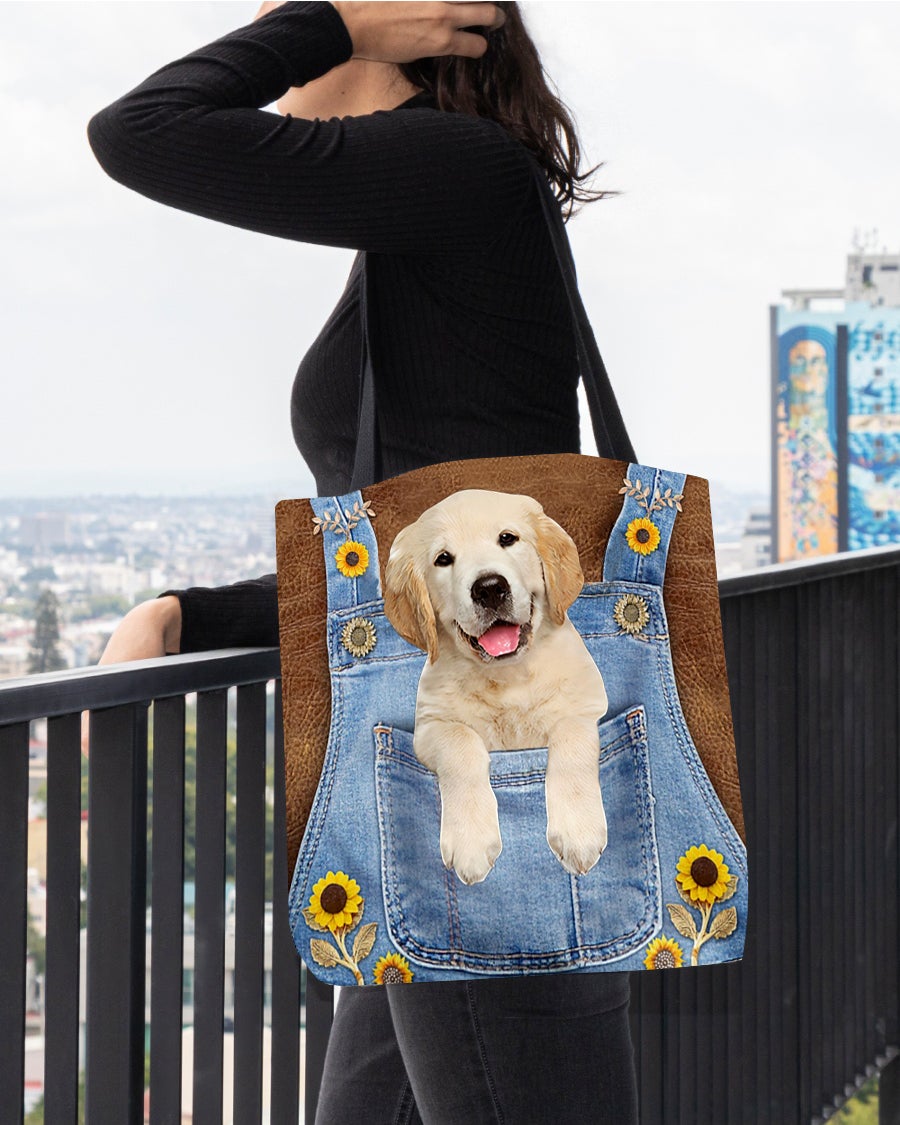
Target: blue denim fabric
(376, 813)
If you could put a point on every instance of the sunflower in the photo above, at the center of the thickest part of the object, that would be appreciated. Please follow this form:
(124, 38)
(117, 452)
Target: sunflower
(392, 969)
(352, 559)
(664, 953)
(642, 535)
(335, 901)
(631, 613)
(702, 875)
(358, 636)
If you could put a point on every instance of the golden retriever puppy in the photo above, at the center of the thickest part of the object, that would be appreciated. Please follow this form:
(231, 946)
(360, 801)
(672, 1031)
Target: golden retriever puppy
(482, 581)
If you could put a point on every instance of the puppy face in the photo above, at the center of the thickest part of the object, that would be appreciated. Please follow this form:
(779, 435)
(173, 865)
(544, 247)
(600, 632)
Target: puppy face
(482, 571)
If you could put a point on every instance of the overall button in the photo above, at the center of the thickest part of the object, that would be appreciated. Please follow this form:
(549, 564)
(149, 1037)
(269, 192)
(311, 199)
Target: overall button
(358, 636)
(631, 613)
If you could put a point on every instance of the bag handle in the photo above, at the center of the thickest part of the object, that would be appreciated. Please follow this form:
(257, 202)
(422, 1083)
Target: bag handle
(609, 429)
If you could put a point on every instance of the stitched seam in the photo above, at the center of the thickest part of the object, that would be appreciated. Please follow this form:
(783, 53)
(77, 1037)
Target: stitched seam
(692, 760)
(483, 1052)
(613, 749)
(576, 910)
(403, 1116)
(316, 821)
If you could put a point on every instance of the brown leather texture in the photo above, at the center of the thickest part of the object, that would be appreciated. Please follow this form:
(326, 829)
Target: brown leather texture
(582, 494)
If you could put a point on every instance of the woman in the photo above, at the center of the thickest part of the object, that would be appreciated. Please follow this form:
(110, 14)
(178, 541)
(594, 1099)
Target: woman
(407, 137)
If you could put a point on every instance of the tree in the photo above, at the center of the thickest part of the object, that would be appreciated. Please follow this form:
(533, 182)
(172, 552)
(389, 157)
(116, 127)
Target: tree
(45, 655)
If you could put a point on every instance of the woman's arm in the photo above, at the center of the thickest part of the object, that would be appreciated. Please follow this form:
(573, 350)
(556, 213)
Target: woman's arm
(198, 619)
(411, 181)
(240, 615)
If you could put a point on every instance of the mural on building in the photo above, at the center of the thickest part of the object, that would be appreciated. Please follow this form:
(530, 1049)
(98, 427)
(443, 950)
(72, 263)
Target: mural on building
(873, 425)
(806, 491)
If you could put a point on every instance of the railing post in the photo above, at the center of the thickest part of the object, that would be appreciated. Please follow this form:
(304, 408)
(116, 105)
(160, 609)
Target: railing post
(249, 897)
(889, 1093)
(14, 853)
(63, 969)
(209, 924)
(285, 959)
(167, 965)
(116, 937)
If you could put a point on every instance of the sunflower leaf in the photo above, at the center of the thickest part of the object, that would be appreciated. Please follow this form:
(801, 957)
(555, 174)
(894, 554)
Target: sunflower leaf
(324, 954)
(365, 941)
(310, 915)
(682, 920)
(730, 887)
(724, 923)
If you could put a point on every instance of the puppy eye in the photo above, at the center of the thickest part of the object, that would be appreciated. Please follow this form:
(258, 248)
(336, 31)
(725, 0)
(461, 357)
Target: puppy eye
(444, 559)
(507, 539)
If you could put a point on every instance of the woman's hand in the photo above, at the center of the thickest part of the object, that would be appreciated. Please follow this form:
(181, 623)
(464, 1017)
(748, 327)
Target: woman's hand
(151, 629)
(402, 32)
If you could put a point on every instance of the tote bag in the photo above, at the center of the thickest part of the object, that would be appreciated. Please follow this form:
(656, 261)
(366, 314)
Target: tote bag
(508, 735)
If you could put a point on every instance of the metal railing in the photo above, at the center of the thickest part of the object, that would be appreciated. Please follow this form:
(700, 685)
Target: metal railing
(116, 1011)
(814, 668)
(784, 1036)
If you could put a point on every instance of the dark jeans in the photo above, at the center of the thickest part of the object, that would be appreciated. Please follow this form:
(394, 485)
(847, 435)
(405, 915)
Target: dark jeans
(520, 1051)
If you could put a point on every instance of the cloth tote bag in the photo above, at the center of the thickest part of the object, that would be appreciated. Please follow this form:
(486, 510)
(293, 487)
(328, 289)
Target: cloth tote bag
(508, 735)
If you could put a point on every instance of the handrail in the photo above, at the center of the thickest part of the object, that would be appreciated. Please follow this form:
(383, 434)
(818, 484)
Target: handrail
(799, 571)
(48, 694)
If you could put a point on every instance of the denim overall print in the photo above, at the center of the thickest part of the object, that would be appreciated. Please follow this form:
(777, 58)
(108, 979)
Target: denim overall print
(371, 900)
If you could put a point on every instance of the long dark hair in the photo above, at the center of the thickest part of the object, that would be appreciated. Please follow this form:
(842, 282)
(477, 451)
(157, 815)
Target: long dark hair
(509, 85)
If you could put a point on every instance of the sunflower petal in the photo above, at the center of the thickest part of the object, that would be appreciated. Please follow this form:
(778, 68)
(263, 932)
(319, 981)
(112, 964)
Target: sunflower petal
(312, 921)
(731, 885)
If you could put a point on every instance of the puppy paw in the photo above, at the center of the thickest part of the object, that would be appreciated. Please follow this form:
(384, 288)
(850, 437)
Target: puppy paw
(470, 836)
(577, 834)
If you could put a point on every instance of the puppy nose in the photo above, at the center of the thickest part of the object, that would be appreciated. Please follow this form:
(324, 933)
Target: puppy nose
(490, 591)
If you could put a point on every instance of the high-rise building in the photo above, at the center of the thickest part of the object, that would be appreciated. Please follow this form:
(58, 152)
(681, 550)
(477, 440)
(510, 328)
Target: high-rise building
(836, 413)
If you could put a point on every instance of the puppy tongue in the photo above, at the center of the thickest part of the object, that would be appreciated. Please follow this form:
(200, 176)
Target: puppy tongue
(500, 639)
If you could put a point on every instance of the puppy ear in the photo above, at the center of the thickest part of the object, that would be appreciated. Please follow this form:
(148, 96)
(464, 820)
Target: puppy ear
(563, 576)
(406, 602)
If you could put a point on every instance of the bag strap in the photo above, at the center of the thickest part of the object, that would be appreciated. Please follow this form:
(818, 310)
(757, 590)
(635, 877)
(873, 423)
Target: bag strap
(609, 429)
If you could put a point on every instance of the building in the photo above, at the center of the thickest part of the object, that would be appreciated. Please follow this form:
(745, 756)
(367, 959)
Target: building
(836, 413)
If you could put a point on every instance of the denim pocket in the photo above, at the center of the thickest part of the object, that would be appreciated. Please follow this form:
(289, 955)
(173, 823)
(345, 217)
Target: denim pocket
(529, 914)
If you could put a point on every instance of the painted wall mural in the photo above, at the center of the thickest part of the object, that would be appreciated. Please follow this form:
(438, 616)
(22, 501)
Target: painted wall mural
(806, 455)
(873, 425)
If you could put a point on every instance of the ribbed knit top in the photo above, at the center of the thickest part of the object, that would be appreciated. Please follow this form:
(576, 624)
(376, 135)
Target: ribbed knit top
(470, 329)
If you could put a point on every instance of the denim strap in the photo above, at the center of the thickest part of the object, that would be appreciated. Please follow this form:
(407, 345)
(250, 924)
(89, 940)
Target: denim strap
(347, 592)
(650, 495)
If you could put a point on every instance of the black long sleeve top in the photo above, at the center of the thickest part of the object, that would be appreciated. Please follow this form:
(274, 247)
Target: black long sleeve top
(469, 324)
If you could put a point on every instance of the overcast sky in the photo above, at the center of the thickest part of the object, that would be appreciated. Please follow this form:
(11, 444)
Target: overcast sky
(145, 349)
